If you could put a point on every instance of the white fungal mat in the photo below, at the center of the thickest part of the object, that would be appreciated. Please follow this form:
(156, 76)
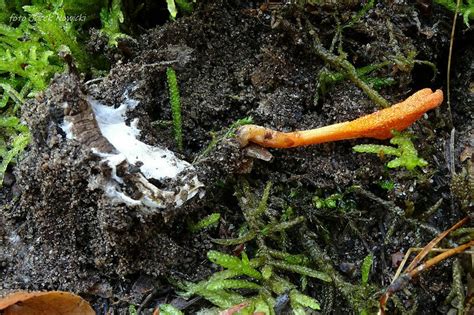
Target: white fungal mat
(150, 162)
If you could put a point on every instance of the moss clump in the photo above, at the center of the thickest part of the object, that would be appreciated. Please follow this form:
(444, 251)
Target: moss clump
(32, 34)
(13, 140)
(466, 8)
(257, 282)
(405, 152)
(111, 19)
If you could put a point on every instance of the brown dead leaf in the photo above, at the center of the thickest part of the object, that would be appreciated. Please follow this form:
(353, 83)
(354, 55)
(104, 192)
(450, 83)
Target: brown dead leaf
(45, 303)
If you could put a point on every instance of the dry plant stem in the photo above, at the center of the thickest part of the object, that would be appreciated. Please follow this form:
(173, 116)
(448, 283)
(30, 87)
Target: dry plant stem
(378, 125)
(448, 70)
(412, 270)
(433, 243)
(419, 249)
(437, 259)
(146, 301)
(401, 281)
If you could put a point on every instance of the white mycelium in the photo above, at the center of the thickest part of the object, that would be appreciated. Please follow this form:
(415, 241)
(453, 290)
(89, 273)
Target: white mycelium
(158, 163)
(152, 162)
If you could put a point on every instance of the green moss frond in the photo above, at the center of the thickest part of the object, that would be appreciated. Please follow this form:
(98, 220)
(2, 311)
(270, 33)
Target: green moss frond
(168, 309)
(175, 101)
(405, 152)
(32, 33)
(56, 31)
(258, 281)
(366, 267)
(208, 221)
(111, 19)
(233, 263)
(14, 137)
(184, 5)
(466, 8)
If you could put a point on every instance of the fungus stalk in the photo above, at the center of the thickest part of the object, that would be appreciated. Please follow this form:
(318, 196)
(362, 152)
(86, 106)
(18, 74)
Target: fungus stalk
(378, 125)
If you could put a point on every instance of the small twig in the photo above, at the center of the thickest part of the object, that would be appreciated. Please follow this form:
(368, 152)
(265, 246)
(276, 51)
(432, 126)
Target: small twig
(413, 269)
(147, 300)
(419, 249)
(403, 280)
(437, 259)
(94, 80)
(450, 55)
(452, 167)
(158, 64)
(433, 243)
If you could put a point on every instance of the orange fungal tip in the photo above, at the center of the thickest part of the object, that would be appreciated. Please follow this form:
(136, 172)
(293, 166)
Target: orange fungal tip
(378, 125)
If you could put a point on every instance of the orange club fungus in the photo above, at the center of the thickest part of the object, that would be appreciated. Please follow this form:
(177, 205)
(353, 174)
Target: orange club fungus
(378, 125)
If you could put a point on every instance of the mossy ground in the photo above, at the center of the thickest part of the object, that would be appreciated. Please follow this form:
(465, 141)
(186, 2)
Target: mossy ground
(232, 62)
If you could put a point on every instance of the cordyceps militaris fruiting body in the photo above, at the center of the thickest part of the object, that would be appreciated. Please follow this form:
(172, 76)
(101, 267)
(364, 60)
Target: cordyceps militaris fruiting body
(378, 125)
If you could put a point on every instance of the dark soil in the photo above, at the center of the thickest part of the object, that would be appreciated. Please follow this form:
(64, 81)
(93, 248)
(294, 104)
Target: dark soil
(234, 61)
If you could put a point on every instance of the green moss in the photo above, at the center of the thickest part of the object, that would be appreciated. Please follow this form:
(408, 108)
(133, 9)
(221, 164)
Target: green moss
(241, 266)
(362, 297)
(132, 310)
(184, 5)
(365, 269)
(175, 102)
(367, 74)
(338, 204)
(208, 221)
(300, 301)
(328, 202)
(168, 309)
(222, 288)
(221, 136)
(405, 152)
(14, 137)
(25, 61)
(462, 186)
(56, 31)
(366, 78)
(111, 19)
(347, 69)
(32, 34)
(387, 185)
(258, 281)
(466, 8)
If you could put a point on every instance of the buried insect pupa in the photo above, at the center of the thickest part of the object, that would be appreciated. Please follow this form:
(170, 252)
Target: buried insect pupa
(130, 167)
